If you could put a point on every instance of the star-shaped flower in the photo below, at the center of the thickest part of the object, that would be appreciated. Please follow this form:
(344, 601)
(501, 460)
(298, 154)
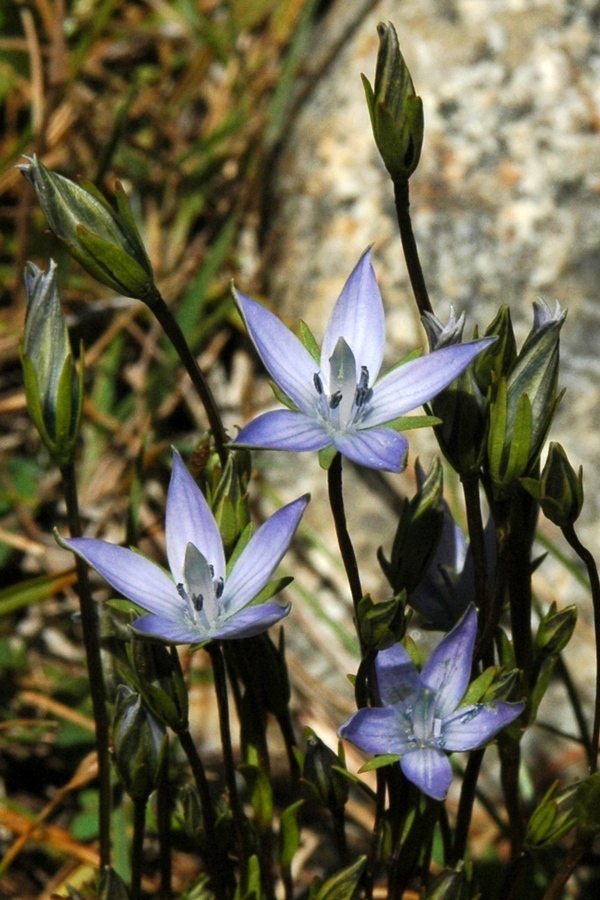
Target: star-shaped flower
(199, 601)
(421, 719)
(336, 399)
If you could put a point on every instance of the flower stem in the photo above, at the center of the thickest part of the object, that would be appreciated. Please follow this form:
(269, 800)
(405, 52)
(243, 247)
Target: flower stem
(91, 641)
(465, 806)
(218, 664)
(409, 246)
(336, 501)
(173, 331)
(592, 570)
(477, 543)
(214, 857)
(163, 816)
(137, 846)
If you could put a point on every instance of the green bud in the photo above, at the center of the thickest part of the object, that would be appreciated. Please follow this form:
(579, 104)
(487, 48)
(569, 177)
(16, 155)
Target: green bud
(230, 501)
(460, 406)
(54, 391)
(139, 745)
(105, 242)
(535, 375)
(499, 358)
(510, 442)
(559, 490)
(556, 629)
(552, 819)
(381, 624)
(159, 679)
(320, 774)
(418, 534)
(396, 111)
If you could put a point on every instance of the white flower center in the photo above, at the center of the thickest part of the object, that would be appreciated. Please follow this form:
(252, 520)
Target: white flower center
(201, 591)
(342, 409)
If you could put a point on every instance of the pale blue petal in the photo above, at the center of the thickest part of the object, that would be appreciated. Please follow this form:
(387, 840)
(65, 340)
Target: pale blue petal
(429, 769)
(473, 726)
(131, 574)
(261, 556)
(358, 317)
(190, 521)
(375, 730)
(418, 381)
(283, 429)
(448, 669)
(251, 621)
(172, 630)
(397, 676)
(285, 357)
(375, 448)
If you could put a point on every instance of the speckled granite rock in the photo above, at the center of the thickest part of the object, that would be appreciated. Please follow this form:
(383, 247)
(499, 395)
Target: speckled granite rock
(505, 204)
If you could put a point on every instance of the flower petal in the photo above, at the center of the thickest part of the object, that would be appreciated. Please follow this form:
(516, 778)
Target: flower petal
(285, 357)
(414, 383)
(165, 628)
(473, 726)
(190, 521)
(375, 448)
(131, 574)
(253, 620)
(397, 676)
(448, 669)
(429, 769)
(283, 429)
(375, 730)
(358, 317)
(261, 556)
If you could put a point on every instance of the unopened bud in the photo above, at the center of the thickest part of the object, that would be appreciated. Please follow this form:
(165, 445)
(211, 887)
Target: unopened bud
(396, 111)
(140, 743)
(556, 629)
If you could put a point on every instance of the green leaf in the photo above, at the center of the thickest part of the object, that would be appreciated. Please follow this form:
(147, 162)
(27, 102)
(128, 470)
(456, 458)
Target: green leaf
(308, 339)
(289, 834)
(408, 423)
(342, 886)
(386, 759)
(326, 456)
(260, 795)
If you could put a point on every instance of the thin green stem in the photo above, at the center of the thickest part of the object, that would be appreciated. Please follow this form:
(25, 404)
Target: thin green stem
(477, 544)
(213, 857)
(336, 501)
(173, 331)
(218, 665)
(91, 641)
(137, 847)
(465, 805)
(163, 817)
(592, 570)
(409, 246)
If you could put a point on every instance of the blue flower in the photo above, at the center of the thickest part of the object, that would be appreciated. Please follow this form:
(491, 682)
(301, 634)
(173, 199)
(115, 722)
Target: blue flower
(421, 719)
(200, 601)
(336, 401)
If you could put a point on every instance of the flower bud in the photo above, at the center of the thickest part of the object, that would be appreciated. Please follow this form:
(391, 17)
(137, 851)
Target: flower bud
(159, 679)
(140, 744)
(552, 819)
(556, 629)
(53, 390)
(230, 501)
(460, 406)
(418, 534)
(559, 490)
(105, 242)
(396, 112)
(499, 358)
(320, 774)
(381, 624)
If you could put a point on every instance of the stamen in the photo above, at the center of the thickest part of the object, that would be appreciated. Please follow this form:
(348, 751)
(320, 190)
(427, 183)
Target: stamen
(219, 588)
(363, 391)
(198, 601)
(335, 400)
(318, 383)
(181, 592)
